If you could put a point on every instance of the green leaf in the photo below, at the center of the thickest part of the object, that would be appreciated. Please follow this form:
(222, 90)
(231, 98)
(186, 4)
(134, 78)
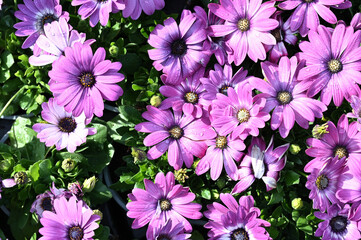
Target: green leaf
(276, 197)
(98, 156)
(102, 233)
(206, 193)
(7, 60)
(197, 235)
(292, 178)
(100, 193)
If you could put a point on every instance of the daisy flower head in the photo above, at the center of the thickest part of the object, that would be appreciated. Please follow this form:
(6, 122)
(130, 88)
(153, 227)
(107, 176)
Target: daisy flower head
(62, 129)
(333, 62)
(168, 232)
(220, 79)
(261, 163)
(324, 183)
(80, 80)
(283, 34)
(98, 10)
(222, 150)
(134, 8)
(72, 219)
(186, 97)
(247, 27)
(50, 46)
(305, 16)
(341, 141)
(287, 96)
(179, 48)
(162, 201)
(235, 220)
(239, 112)
(182, 135)
(356, 110)
(337, 224)
(34, 15)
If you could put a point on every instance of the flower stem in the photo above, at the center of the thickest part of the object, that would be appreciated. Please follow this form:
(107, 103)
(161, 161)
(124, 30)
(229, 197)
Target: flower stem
(10, 100)
(47, 152)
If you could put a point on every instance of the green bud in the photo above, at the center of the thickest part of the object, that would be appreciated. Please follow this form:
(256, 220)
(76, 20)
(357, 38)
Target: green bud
(5, 165)
(138, 155)
(68, 164)
(297, 203)
(89, 183)
(21, 178)
(319, 130)
(99, 213)
(181, 175)
(294, 149)
(155, 101)
(114, 51)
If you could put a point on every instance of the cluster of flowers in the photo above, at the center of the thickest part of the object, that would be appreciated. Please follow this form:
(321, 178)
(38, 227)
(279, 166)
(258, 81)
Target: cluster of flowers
(209, 113)
(79, 79)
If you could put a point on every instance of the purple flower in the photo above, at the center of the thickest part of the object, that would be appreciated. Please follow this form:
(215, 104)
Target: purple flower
(168, 232)
(179, 49)
(45, 201)
(238, 113)
(134, 8)
(72, 219)
(333, 62)
(350, 184)
(63, 129)
(305, 17)
(162, 201)
(287, 96)
(222, 150)
(343, 141)
(98, 10)
(261, 163)
(80, 80)
(6, 183)
(356, 110)
(50, 46)
(219, 80)
(180, 134)
(337, 224)
(356, 21)
(283, 34)
(34, 15)
(235, 221)
(186, 97)
(324, 182)
(247, 27)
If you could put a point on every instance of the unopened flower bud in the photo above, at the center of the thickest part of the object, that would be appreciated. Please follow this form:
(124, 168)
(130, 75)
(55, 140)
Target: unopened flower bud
(21, 178)
(114, 50)
(294, 149)
(138, 155)
(319, 130)
(5, 165)
(99, 213)
(181, 175)
(89, 183)
(68, 165)
(155, 101)
(297, 203)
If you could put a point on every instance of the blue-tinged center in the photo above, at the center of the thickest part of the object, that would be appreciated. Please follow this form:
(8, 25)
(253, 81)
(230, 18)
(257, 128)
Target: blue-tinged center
(338, 224)
(239, 234)
(75, 233)
(87, 79)
(67, 124)
(179, 47)
(46, 204)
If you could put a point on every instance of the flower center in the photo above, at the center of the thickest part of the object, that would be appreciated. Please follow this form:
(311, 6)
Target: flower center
(221, 142)
(243, 24)
(243, 115)
(277, 34)
(284, 97)
(46, 204)
(239, 234)
(322, 182)
(49, 18)
(334, 66)
(20, 178)
(224, 89)
(338, 224)
(165, 204)
(308, 1)
(176, 132)
(179, 47)
(75, 233)
(87, 79)
(340, 152)
(191, 97)
(67, 124)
